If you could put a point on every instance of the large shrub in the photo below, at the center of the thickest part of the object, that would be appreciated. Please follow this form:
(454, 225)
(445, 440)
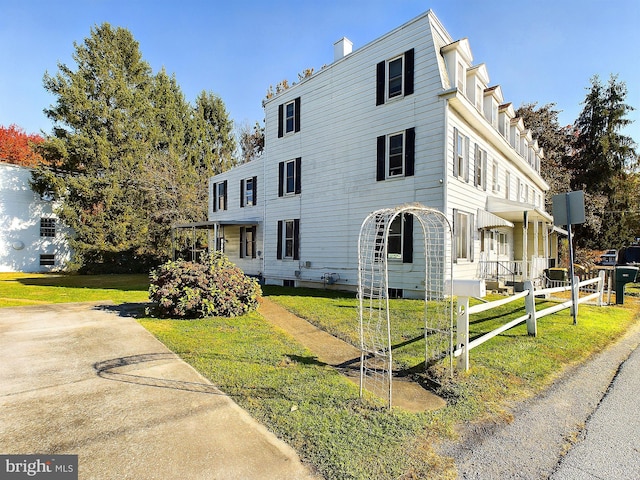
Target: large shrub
(213, 287)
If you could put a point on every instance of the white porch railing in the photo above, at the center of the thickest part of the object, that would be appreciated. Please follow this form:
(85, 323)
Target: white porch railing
(513, 270)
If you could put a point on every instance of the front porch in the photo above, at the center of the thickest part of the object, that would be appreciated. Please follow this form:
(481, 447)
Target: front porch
(533, 245)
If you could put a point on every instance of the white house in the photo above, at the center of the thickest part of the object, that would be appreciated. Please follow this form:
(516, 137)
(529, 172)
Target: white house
(406, 118)
(32, 239)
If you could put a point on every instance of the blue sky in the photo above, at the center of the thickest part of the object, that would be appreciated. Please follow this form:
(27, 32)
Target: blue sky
(537, 50)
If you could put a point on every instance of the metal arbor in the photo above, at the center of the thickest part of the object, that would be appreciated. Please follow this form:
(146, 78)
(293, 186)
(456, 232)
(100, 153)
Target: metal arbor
(376, 362)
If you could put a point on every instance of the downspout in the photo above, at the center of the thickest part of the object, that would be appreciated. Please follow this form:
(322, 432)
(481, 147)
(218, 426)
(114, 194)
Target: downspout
(264, 209)
(525, 245)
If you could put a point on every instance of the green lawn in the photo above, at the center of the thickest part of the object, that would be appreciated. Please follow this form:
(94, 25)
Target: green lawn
(317, 410)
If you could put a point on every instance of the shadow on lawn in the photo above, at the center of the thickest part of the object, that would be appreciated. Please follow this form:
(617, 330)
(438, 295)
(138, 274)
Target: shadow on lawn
(125, 283)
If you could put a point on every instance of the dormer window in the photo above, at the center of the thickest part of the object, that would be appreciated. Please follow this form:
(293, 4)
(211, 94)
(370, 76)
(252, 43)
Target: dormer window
(461, 77)
(479, 97)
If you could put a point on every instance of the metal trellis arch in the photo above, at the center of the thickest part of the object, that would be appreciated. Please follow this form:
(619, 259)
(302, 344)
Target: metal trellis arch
(376, 362)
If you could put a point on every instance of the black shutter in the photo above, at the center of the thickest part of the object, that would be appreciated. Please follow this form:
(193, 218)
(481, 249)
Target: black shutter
(255, 190)
(380, 174)
(241, 193)
(476, 152)
(253, 241)
(410, 152)
(407, 239)
(408, 71)
(296, 118)
(214, 188)
(296, 239)
(279, 245)
(298, 175)
(243, 237)
(454, 244)
(380, 74)
(281, 179)
(225, 194)
(455, 152)
(280, 114)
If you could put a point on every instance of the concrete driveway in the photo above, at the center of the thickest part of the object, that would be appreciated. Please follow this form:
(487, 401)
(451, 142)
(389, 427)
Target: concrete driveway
(84, 379)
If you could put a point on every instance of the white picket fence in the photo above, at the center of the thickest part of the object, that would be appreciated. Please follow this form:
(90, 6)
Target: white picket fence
(594, 289)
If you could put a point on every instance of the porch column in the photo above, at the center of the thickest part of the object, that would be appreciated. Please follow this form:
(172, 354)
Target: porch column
(545, 240)
(525, 246)
(536, 231)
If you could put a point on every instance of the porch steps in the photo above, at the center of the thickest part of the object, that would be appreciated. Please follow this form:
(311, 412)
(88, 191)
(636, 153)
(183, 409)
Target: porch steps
(498, 286)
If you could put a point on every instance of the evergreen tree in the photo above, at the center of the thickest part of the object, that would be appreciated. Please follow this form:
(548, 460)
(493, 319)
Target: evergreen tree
(603, 164)
(130, 157)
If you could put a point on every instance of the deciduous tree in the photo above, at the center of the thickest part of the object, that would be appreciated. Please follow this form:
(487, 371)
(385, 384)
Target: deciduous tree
(18, 147)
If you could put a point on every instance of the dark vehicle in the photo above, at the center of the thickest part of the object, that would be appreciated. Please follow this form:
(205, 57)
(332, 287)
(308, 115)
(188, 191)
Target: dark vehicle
(608, 258)
(629, 255)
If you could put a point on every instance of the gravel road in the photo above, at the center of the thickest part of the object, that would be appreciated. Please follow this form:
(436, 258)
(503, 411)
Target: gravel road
(546, 427)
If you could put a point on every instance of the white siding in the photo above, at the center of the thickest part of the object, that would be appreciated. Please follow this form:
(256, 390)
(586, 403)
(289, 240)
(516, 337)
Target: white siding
(340, 123)
(20, 212)
(337, 144)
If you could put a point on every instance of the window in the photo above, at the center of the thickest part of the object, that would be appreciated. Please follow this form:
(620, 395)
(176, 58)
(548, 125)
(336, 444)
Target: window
(289, 117)
(506, 129)
(396, 155)
(507, 185)
(461, 77)
(462, 232)
(495, 187)
(289, 178)
(394, 239)
(399, 239)
(394, 74)
(460, 155)
(47, 227)
(220, 196)
(479, 98)
(248, 192)
(502, 244)
(288, 239)
(220, 238)
(480, 178)
(394, 77)
(248, 242)
(47, 260)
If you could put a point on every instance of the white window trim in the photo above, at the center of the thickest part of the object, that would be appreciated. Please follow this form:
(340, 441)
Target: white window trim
(285, 239)
(402, 155)
(252, 202)
(396, 257)
(285, 117)
(220, 203)
(388, 97)
(463, 218)
(285, 184)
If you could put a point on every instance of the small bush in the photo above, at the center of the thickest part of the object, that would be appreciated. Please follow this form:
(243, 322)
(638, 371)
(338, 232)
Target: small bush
(213, 287)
